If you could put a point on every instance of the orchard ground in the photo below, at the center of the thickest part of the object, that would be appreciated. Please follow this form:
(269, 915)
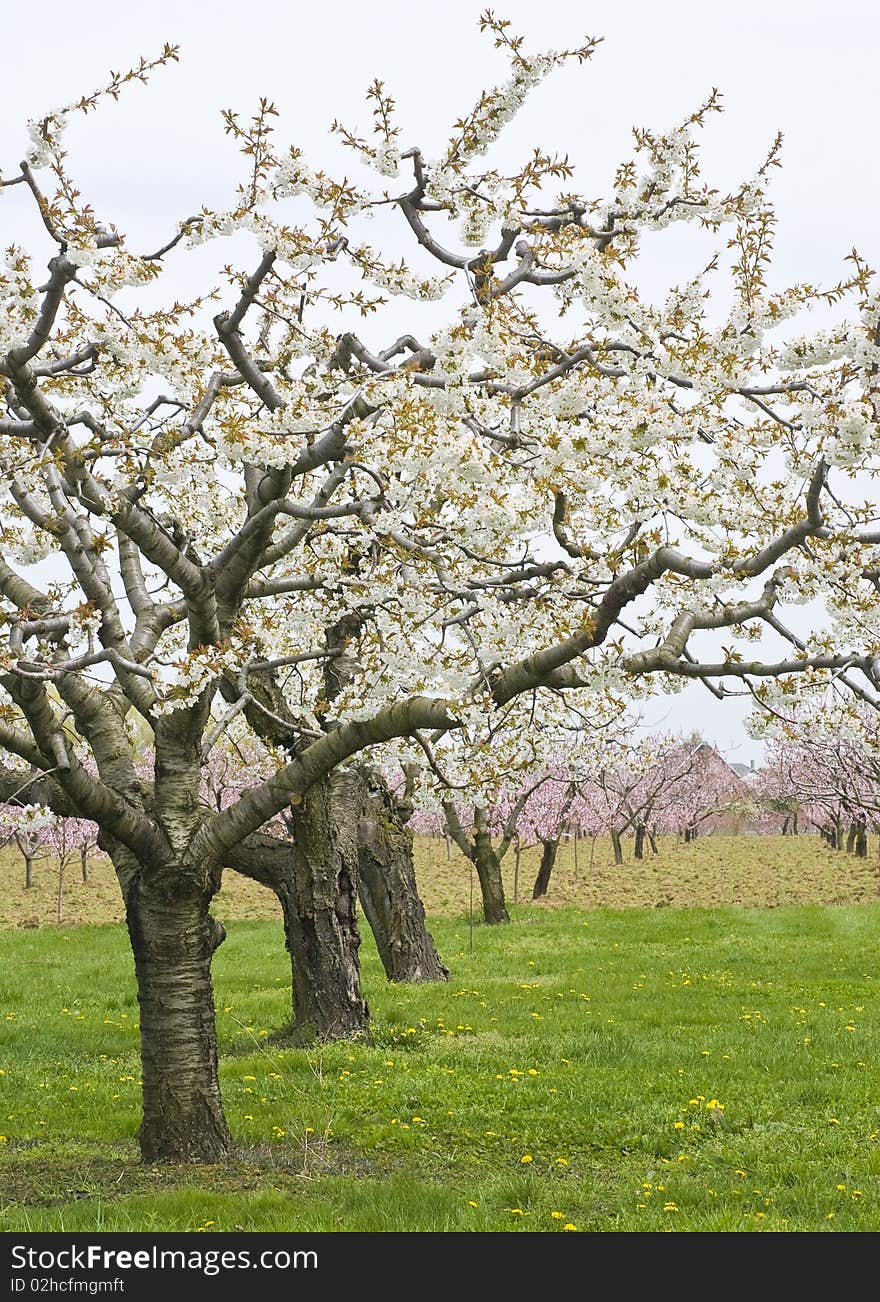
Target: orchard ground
(600, 1065)
(761, 870)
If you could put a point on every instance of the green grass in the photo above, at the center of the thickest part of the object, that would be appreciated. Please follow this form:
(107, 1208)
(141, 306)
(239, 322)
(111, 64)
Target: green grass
(591, 1042)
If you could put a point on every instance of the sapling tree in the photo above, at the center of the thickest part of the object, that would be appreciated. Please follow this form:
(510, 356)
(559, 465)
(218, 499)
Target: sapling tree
(271, 502)
(24, 826)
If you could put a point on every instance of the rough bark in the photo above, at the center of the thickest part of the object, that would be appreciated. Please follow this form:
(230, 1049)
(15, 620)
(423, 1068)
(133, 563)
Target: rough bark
(639, 847)
(173, 938)
(387, 887)
(549, 851)
(318, 900)
(617, 847)
(488, 866)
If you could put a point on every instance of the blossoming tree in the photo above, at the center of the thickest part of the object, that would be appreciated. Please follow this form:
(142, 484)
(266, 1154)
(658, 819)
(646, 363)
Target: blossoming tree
(40, 834)
(271, 502)
(823, 765)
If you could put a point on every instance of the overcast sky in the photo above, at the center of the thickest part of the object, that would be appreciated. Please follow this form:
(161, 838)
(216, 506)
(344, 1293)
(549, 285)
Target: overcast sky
(805, 67)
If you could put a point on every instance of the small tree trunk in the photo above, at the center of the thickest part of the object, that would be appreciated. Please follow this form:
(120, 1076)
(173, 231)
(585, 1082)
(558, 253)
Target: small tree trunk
(550, 849)
(794, 824)
(616, 846)
(173, 939)
(318, 901)
(28, 871)
(861, 840)
(851, 838)
(639, 846)
(84, 864)
(488, 867)
(576, 840)
(59, 893)
(652, 841)
(388, 892)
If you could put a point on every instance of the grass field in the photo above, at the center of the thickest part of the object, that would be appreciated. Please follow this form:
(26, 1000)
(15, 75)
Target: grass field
(605, 1069)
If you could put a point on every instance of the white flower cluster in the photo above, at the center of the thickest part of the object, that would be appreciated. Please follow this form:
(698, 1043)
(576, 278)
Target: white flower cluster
(34, 818)
(293, 177)
(387, 160)
(19, 301)
(475, 226)
(400, 280)
(45, 137)
(504, 102)
(176, 358)
(184, 682)
(84, 624)
(819, 349)
(83, 254)
(854, 435)
(30, 548)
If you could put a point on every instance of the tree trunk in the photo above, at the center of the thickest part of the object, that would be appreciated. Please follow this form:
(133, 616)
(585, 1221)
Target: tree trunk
(639, 847)
(59, 894)
(488, 867)
(861, 839)
(517, 854)
(388, 892)
(318, 901)
(28, 871)
(616, 846)
(84, 864)
(652, 841)
(550, 849)
(173, 938)
(851, 838)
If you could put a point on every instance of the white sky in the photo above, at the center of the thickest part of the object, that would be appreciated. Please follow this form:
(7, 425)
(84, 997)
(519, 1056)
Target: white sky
(801, 66)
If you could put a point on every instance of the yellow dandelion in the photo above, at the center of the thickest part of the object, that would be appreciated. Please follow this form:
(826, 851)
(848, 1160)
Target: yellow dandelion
(526, 1157)
(557, 1216)
(569, 1226)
